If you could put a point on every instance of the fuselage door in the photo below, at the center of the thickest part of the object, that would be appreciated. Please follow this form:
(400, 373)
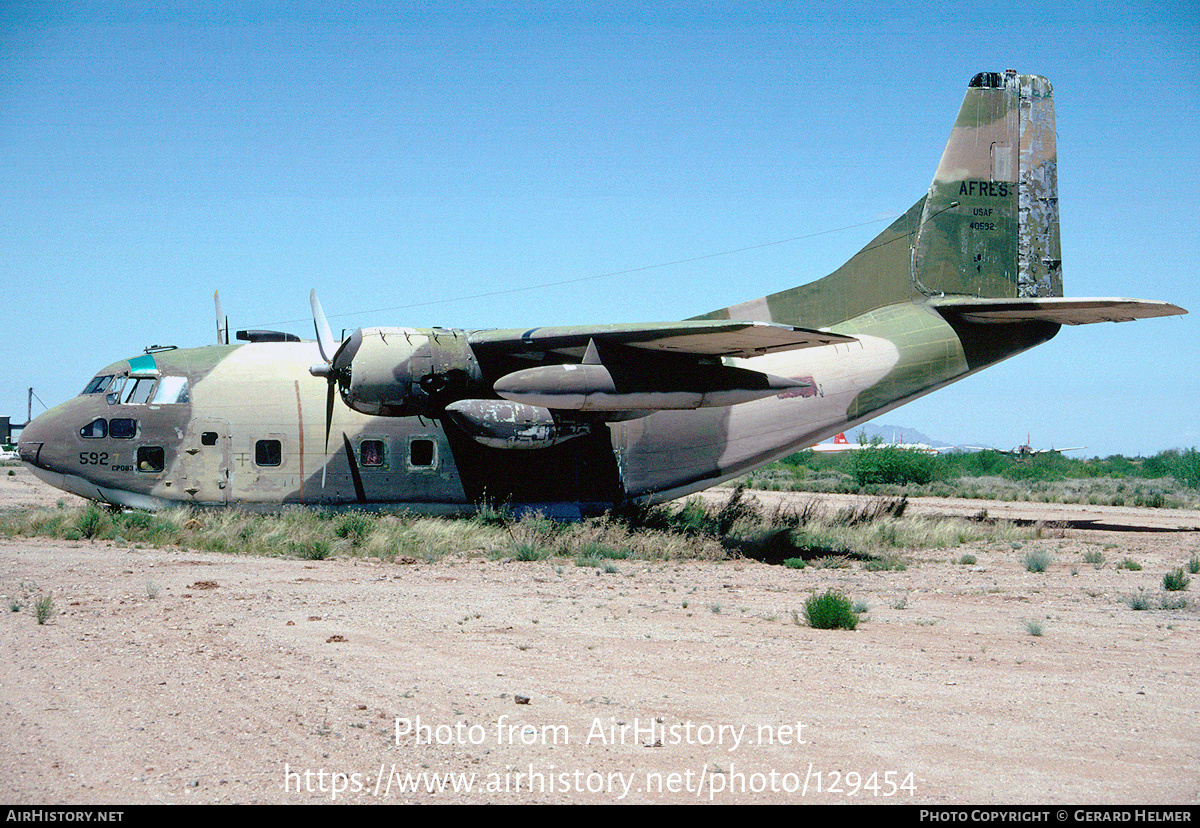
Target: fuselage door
(202, 472)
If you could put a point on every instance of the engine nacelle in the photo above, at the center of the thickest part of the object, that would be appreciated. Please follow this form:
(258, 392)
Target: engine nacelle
(403, 372)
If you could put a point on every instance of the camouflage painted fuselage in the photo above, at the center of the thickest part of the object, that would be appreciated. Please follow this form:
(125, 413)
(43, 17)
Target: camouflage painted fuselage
(970, 275)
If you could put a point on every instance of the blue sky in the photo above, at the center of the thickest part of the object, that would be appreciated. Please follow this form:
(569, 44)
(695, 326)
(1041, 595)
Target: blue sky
(403, 158)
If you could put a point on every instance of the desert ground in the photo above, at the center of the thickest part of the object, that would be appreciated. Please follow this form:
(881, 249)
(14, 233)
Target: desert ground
(172, 676)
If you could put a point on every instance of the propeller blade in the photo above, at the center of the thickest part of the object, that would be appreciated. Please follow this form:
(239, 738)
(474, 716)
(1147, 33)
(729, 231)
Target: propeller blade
(324, 334)
(328, 422)
(222, 321)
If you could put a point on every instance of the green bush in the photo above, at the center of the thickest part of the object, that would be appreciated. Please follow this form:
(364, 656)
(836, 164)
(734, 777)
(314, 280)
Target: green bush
(315, 550)
(93, 521)
(830, 611)
(1037, 560)
(529, 552)
(1138, 600)
(43, 608)
(1175, 580)
(1186, 468)
(884, 465)
(355, 527)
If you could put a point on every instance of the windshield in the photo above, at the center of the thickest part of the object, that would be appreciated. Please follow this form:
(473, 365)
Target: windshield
(98, 384)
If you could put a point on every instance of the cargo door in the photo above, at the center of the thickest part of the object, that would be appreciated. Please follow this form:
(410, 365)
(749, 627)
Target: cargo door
(202, 469)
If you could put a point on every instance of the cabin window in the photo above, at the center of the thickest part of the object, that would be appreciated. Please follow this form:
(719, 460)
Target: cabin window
(122, 428)
(98, 384)
(370, 452)
(139, 393)
(422, 453)
(208, 438)
(150, 458)
(268, 453)
(95, 429)
(171, 390)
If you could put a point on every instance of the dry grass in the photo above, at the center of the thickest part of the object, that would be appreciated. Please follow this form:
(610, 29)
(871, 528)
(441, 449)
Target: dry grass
(690, 530)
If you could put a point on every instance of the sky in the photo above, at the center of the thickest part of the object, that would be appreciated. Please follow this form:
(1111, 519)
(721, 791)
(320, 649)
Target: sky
(507, 165)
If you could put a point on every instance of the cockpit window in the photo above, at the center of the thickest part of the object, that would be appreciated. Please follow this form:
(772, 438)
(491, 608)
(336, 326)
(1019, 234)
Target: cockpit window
(96, 428)
(139, 393)
(171, 390)
(98, 384)
(122, 428)
(114, 391)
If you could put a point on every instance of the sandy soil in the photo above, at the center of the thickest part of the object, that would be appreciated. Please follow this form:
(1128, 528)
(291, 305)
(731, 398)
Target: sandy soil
(172, 676)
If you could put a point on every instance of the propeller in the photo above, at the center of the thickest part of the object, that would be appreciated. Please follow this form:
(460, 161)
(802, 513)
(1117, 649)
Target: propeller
(329, 370)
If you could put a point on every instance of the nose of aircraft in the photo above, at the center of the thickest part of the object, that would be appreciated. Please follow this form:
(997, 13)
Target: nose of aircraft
(30, 442)
(43, 444)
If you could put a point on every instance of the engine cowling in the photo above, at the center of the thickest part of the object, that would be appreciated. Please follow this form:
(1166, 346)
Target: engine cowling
(404, 372)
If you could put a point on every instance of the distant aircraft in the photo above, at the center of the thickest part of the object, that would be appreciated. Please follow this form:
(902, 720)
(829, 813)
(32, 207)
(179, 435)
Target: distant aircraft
(575, 420)
(840, 443)
(1025, 451)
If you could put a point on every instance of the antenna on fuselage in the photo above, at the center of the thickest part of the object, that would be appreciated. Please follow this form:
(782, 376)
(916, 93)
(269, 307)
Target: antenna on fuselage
(222, 321)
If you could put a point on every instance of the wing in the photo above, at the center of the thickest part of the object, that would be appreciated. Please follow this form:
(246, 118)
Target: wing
(694, 338)
(641, 367)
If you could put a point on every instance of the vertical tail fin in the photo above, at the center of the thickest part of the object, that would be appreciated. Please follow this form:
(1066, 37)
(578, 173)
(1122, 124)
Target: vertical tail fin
(987, 228)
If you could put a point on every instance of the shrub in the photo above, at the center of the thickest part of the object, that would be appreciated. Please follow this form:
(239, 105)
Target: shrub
(315, 550)
(886, 563)
(830, 611)
(93, 521)
(355, 527)
(529, 552)
(1174, 602)
(1175, 580)
(1138, 600)
(890, 465)
(43, 607)
(1037, 560)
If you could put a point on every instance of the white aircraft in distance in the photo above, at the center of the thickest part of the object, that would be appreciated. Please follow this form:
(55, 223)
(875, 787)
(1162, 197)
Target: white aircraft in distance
(840, 443)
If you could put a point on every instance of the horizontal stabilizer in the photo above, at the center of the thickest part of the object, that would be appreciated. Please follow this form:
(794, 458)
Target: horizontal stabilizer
(697, 338)
(1056, 309)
